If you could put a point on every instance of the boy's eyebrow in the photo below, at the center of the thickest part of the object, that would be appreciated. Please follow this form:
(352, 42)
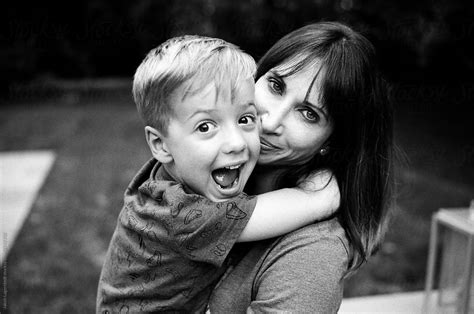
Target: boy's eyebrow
(250, 104)
(209, 111)
(199, 111)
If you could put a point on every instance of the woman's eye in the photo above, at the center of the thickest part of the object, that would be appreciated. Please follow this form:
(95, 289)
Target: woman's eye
(248, 119)
(310, 115)
(204, 127)
(275, 86)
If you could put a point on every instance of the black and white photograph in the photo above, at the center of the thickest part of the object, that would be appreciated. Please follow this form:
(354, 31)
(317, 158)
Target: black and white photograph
(253, 156)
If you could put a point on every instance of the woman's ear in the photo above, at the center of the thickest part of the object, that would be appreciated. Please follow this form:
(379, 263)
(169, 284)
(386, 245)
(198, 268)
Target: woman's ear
(158, 147)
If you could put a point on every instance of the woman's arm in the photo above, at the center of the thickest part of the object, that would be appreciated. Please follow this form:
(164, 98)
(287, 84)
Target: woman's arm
(281, 211)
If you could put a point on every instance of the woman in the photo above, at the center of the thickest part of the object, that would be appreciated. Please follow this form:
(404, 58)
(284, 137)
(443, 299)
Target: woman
(323, 106)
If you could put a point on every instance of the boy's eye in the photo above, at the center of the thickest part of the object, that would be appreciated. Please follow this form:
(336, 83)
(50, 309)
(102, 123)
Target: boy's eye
(204, 127)
(247, 119)
(310, 115)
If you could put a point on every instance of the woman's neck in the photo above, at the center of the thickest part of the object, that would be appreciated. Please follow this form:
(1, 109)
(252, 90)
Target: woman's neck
(265, 179)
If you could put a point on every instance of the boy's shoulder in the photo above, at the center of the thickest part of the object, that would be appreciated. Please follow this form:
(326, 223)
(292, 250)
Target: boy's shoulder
(151, 170)
(153, 181)
(144, 174)
(151, 175)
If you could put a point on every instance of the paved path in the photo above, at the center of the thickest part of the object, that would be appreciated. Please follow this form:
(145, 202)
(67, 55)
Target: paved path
(408, 302)
(21, 176)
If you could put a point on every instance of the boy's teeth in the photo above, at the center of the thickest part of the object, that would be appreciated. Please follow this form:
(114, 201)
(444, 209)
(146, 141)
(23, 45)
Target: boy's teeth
(233, 167)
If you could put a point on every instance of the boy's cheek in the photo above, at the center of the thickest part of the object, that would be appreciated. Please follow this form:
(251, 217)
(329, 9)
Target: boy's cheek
(259, 124)
(257, 141)
(254, 144)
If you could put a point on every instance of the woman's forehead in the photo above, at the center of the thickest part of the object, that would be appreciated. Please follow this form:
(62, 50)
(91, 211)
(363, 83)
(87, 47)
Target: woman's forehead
(307, 78)
(298, 63)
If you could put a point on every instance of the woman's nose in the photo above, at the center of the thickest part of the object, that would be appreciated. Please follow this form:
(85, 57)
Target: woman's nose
(271, 122)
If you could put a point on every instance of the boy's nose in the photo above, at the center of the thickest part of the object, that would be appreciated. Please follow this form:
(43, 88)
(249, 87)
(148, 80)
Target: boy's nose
(234, 142)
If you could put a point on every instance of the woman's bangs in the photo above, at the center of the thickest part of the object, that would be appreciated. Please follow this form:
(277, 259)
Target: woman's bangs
(294, 64)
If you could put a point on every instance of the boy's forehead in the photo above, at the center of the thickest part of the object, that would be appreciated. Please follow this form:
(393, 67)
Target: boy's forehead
(197, 88)
(224, 90)
(188, 99)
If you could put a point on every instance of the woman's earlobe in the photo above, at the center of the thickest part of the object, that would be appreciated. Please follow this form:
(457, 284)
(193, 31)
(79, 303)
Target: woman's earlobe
(157, 144)
(324, 150)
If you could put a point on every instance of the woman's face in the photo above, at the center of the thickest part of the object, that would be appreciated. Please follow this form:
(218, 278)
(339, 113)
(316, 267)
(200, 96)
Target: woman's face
(294, 123)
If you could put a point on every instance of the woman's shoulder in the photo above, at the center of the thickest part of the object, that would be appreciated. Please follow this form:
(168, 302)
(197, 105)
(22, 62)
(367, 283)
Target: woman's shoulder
(318, 231)
(326, 236)
(304, 270)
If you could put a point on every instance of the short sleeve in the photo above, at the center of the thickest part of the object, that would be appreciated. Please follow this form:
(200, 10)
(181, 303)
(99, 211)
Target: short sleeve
(199, 229)
(302, 277)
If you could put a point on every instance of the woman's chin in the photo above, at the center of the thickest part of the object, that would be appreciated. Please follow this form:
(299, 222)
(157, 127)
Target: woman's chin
(281, 160)
(270, 161)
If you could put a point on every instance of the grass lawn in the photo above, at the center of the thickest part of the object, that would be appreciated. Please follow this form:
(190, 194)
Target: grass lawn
(55, 263)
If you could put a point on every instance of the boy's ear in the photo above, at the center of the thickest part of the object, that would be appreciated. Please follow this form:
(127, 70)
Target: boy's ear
(158, 147)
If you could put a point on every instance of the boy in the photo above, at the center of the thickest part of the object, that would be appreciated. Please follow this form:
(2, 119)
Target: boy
(185, 208)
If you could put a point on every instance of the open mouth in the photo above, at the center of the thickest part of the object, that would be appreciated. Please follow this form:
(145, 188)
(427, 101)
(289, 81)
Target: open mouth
(227, 177)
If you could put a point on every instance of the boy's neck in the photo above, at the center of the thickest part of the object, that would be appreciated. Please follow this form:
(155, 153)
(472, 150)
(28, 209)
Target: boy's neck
(168, 173)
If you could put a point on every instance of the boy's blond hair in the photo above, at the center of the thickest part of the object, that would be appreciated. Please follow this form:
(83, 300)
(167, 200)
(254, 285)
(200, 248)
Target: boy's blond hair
(194, 61)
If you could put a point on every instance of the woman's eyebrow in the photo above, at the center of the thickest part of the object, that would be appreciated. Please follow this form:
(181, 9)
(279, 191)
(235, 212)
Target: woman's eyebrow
(321, 109)
(308, 92)
(276, 74)
(279, 76)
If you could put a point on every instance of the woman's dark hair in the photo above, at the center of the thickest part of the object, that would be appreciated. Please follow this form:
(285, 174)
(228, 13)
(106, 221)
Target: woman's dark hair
(360, 146)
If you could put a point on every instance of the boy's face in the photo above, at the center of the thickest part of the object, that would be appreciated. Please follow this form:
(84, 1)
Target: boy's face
(213, 139)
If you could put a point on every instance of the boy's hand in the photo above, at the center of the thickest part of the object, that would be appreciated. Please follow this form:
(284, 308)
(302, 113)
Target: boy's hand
(324, 182)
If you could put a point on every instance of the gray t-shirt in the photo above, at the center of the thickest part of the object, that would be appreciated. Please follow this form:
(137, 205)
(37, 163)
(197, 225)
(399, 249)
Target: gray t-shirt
(169, 246)
(301, 272)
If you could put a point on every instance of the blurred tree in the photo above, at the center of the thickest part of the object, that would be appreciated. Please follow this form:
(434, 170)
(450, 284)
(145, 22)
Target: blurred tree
(423, 40)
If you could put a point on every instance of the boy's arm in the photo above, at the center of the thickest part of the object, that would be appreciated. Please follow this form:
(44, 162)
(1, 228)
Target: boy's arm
(281, 211)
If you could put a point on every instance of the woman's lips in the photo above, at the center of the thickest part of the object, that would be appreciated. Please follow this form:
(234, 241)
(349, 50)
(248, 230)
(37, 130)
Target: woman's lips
(268, 146)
